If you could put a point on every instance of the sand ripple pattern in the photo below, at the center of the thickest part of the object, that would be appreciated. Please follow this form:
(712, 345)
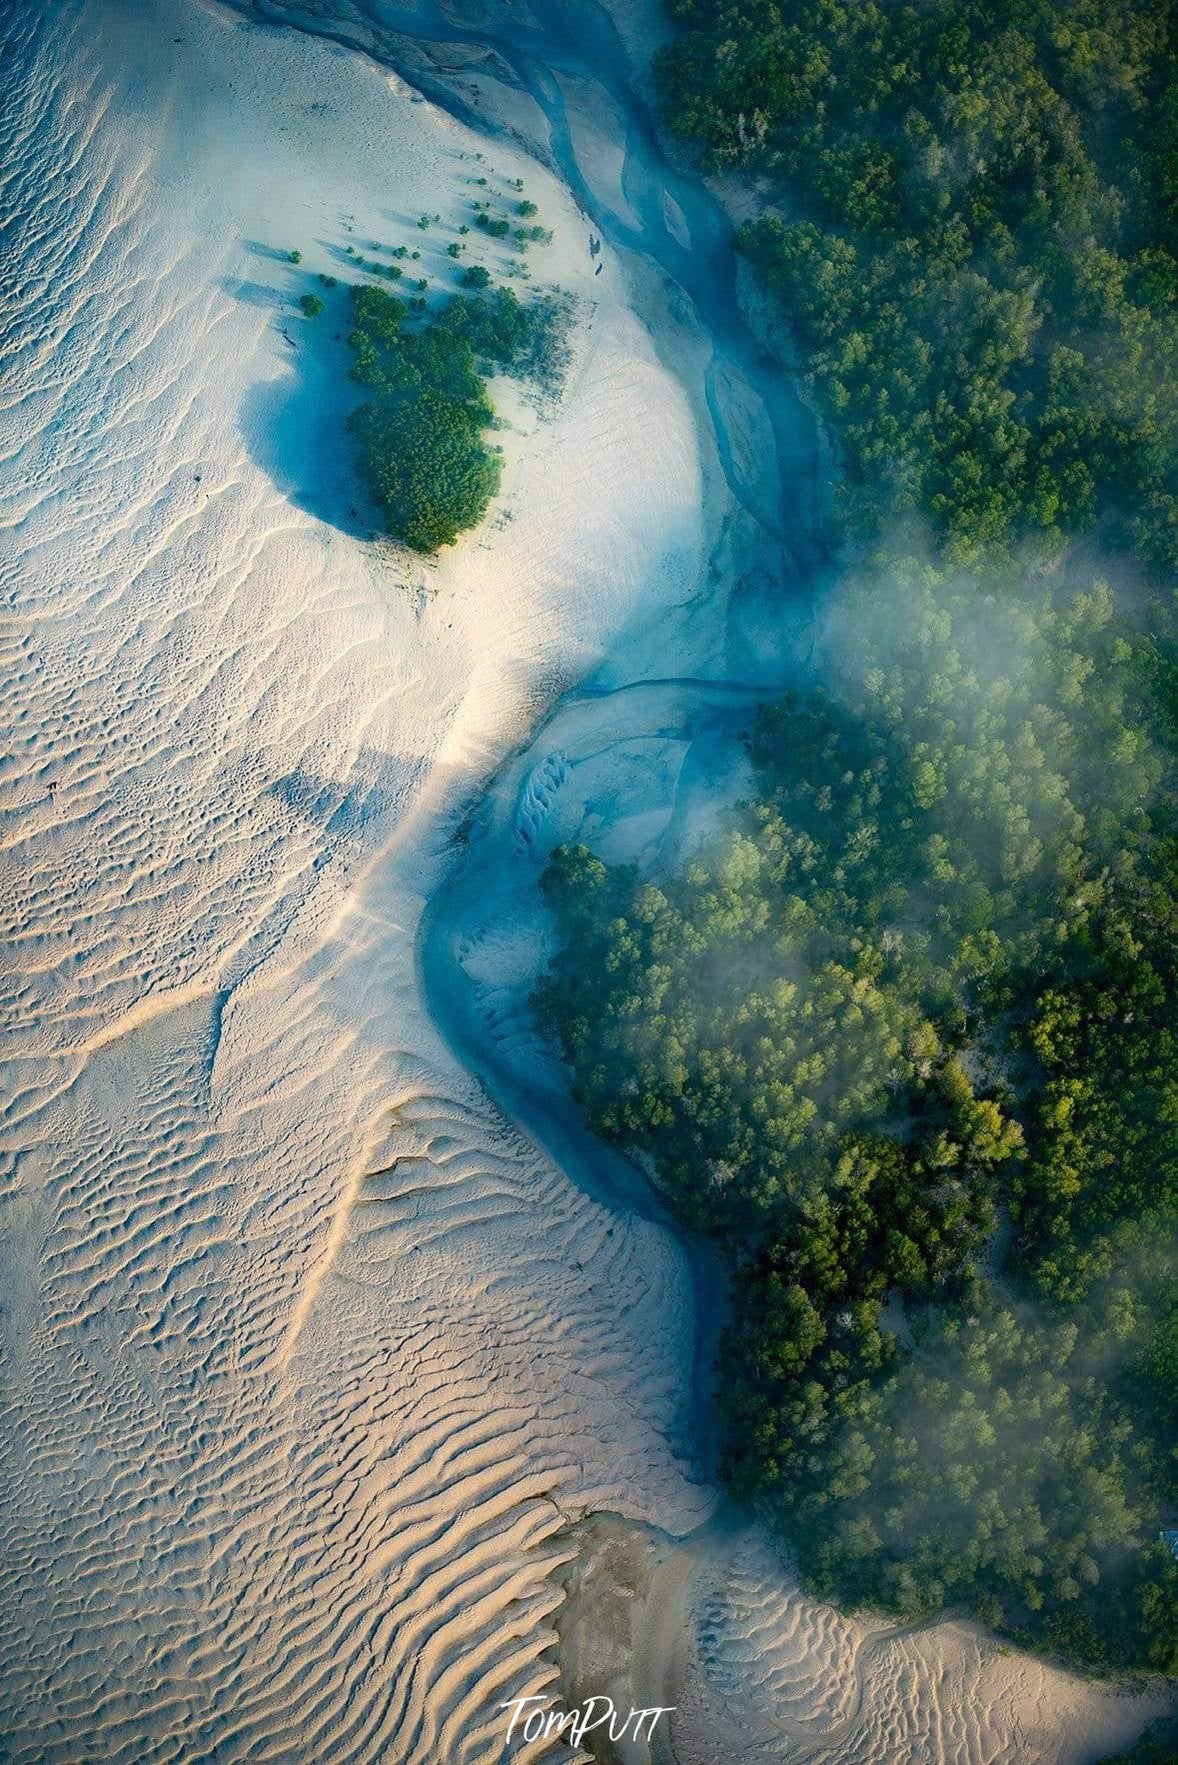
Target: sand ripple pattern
(304, 1356)
(772, 1675)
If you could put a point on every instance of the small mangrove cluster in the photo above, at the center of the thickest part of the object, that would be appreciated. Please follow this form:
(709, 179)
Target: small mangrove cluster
(421, 435)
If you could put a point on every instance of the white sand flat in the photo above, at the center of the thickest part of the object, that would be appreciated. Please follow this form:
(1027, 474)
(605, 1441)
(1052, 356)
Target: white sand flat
(282, 1442)
(305, 1356)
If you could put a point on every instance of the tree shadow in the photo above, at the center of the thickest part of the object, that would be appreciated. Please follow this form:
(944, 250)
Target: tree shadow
(339, 254)
(344, 810)
(406, 224)
(259, 294)
(271, 253)
(356, 812)
(295, 424)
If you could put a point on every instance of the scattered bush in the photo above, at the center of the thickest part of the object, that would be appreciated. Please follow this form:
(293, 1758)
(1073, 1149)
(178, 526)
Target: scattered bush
(420, 437)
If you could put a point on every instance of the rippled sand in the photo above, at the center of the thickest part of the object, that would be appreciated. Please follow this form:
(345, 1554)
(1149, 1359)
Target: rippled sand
(307, 1358)
(299, 1368)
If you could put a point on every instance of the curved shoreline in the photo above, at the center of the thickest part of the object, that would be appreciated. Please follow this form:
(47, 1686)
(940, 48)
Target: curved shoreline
(702, 266)
(273, 1263)
(311, 1360)
(781, 508)
(782, 559)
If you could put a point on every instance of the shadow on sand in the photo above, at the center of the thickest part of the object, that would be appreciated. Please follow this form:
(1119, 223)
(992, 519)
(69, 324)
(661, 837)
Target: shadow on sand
(295, 424)
(271, 253)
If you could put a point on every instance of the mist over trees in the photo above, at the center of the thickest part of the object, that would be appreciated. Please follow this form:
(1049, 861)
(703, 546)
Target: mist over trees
(864, 1023)
(904, 1036)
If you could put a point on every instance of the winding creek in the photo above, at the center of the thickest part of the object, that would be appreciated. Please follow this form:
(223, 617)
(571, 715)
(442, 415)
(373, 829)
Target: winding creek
(350, 1388)
(685, 235)
(636, 700)
(683, 230)
(494, 878)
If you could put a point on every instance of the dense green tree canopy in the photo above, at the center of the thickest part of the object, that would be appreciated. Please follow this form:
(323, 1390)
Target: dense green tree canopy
(976, 244)
(903, 1036)
(420, 439)
(923, 981)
